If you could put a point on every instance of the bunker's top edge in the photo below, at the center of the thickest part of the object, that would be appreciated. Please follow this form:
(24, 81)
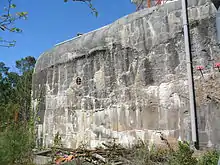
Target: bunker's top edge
(105, 36)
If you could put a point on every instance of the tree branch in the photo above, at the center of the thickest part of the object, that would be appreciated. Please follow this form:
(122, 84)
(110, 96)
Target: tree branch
(88, 3)
(7, 23)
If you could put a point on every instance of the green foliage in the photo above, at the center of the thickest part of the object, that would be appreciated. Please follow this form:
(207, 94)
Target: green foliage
(16, 89)
(7, 19)
(209, 158)
(57, 142)
(141, 154)
(183, 156)
(26, 64)
(15, 145)
(159, 154)
(16, 117)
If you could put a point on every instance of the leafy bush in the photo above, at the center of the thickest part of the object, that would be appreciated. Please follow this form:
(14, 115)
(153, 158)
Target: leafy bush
(159, 154)
(140, 154)
(15, 146)
(183, 156)
(209, 158)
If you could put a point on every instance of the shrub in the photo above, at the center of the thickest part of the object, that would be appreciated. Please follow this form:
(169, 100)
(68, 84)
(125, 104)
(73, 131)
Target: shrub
(209, 158)
(15, 146)
(183, 156)
(140, 154)
(159, 155)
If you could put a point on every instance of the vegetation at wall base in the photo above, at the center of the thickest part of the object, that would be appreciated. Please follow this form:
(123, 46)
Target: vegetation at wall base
(139, 154)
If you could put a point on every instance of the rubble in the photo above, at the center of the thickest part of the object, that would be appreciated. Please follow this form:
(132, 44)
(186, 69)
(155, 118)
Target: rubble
(110, 153)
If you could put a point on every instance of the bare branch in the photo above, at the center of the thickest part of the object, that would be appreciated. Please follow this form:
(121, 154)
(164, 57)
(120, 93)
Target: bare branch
(8, 12)
(5, 43)
(7, 20)
(88, 3)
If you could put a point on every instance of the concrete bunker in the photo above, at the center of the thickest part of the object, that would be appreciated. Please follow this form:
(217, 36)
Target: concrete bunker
(132, 80)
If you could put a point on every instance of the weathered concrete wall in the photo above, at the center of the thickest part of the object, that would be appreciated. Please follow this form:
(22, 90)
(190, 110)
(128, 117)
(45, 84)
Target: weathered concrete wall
(133, 80)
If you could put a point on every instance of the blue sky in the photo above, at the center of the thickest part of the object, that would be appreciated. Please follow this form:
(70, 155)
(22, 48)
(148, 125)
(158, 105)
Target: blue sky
(53, 21)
